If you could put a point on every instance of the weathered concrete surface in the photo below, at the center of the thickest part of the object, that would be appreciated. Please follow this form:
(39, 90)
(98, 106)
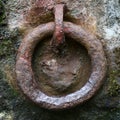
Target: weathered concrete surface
(100, 17)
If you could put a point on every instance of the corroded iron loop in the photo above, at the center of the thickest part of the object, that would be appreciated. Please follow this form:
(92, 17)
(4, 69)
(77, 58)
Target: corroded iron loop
(26, 79)
(58, 36)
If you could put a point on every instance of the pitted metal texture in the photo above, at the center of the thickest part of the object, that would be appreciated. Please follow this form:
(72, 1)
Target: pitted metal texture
(25, 74)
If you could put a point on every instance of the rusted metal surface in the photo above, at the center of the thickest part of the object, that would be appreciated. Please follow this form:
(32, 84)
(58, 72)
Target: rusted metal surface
(58, 36)
(25, 75)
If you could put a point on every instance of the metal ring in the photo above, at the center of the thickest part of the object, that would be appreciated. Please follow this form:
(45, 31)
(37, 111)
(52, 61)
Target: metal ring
(25, 75)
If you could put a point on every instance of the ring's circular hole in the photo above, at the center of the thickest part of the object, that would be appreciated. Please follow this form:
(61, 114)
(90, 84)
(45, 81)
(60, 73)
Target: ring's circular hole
(59, 75)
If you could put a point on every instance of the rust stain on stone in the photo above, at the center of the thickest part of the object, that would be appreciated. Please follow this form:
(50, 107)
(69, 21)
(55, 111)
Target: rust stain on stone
(41, 12)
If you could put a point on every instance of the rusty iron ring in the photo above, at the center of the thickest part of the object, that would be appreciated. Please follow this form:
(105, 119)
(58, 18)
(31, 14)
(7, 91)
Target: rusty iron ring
(25, 75)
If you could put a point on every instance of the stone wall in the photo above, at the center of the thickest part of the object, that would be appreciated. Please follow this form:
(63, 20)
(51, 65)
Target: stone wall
(100, 17)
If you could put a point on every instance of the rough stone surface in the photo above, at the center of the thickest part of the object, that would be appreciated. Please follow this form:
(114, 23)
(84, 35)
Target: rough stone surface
(73, 60)
(100, 17)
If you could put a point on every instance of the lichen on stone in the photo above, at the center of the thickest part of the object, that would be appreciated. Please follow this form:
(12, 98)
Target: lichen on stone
(114, 86)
